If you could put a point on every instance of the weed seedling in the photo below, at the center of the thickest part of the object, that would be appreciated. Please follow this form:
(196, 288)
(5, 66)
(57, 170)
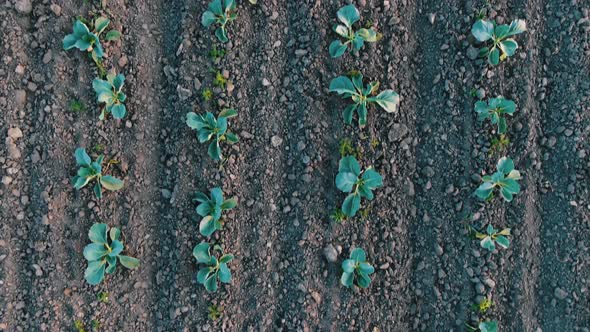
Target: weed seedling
(356, 268)
(216, 268)
(359, 184)
(483, 306)
(209, 128)
(485, 31)
(354, 40)
(207, 95)
(79, 326)
(219, 14)
(210, 208)
(85, 40)
(338, 216)
(103, 297)
(216, 54)
(95, 325)
(215, 312)
(504, 178)
(90, 170)
(494, 236)
(362, 97)
(219, 80)
(77, 106)
(102, 254)
(499, 144)
(494, 110)
(109, 93)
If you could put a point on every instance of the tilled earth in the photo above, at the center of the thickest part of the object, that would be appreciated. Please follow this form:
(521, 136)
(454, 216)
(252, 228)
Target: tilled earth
(432, 153)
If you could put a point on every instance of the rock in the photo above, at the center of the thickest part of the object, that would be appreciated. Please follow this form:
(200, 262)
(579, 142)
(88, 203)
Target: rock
(331, 253)
(123, 60)
(47, 57)
(472, 53)
(431, 18)
(183, 93)
(15, 133)
(20, 97)
(397, 132)
(265, 82)
(6, 180)
(276, 141)
(560, 293)
(56, 9)
(24, 6)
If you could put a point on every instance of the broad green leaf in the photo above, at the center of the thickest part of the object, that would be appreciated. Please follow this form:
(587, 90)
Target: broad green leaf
(111, 264)
(115, 233)
(337, 49)
(511, 185)
(97, 51)
(205, 208)
(372, 179)
(506, 194)
(118, 111)
(129, 262)
(516, 27)
(348, 112)
(229, 204)
(118, 82)
(111, 182)
(211, 283)
(491, 230)
(116, 248)
(514, 175)
(358, 255)
(69, 42)
(208, 18)
(484, 190)
(217, 195)
(349, 164)
(505, 165)
(232, 138)
(95, 251)
(488, 326)
(100, 24)
(509, 46)
(94, 272)
(348, 15)
(348, 265)
(363, 280)
(342, 85)
(369, 35)
(215, 7)
(201, 197)
(351, 205)
(221, 35)
(388, 100)
(341, 30)
(365, 192)
(362, 112)
(113, 35)
(500, 31)
(347, 279)
(502, 125)
(226, 258)
(357, 42)
(224, 273)
(228, 113)
(494, 56)
(80, 29)
(201, 252)
(203, 274)
(82, 158)
(97, 190)
(488, 243)
(482, 30)
(507, 106)
(229, 5)
(366, 268)
(214, 151)
(84, 44)
(345, 181)
(101, 86)
(98, 233)
(207, 226)
(194, 121)
(80, 181)
(502, 241)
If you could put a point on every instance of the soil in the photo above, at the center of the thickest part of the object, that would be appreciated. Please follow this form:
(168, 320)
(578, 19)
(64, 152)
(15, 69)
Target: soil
(432, 153)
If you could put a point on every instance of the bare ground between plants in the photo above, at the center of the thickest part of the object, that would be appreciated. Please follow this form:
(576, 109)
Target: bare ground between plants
(429, 273)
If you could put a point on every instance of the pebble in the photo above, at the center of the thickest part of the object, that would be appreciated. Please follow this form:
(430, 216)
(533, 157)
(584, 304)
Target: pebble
(560, 293)
(276, 141)
(24, 6)
(397, 132)
(331, 253)
(56, 9)
(15, 133)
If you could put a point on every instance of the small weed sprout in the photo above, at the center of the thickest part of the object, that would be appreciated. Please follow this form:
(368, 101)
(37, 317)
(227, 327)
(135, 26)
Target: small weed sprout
(77, 106)
(216, 268)
(504, 178)
(90, 170)
(485, 31)
(359, 184)
(362, 97)
(102, 254)
(209, 128)
(494, 110)
(357, 268)
(214, 312)
(216, 54)
(109, 92)
(79, 326)
(103, 297)
(219, 14)
(499, 144)
(493, 236)
(211, 208)
(354, 40)
(219, 80)
(483, 306)
(207, 95)
(338, 216)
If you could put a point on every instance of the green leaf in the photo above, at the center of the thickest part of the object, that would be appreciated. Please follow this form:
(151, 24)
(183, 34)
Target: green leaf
(112, 264)
(226, 258)
(348, 112)
(388, 100)
(229, 204)
(357, 42)
(217, 195)
(113, 35)
(505, 165)
(231, 138)
(228, 113)
(342, 85)
(348, 265)
(500, 31)
(358, 255)
(204, 208)
(503, 241)
(207, 226)
(119, 111)
(94, 272)
(201, 253)
(506, 194)
(98, 233)
(509, 46)
(214, 151)
(351, 205)
(69, 42)
(114, 233)
(482, 30)
(369, 35)
(366, 268)
(507, 106)
(365, 192)
(97, 190)
(347, 279)
(363, 280)
(82, 158)
(502, 125)
(116, 248)
(229, 5)
(348, 15)
(95, 251)
(129, 262)
(488, 326)
(215, 7)
(337, 49)
(362, 112)
(208, 18)
(349, 164)
(516, 27)
(484, 191)
(341, 30)
(211, 283)
(80, 29)
(221, 35)
(372, 179)
(345, 181)
(203, 274)
(494, 56)
(100, 24)
(111, 182)
(488, 243)
(118, 82)
(195, 121)
(224, 273)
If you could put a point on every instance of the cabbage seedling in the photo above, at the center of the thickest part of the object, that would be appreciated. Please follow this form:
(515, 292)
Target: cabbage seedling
(209, 128)
(102, 254)
(215, 269)
(354, 40)
(494, 109)
(85, 40)
(493, 236)
(362, 98)
(488, 326)
(504, 178)
(109, 92)
(219, 13)
(210, 209)
(350, 180)
(486, 31)
(356, 267)
(91, 170)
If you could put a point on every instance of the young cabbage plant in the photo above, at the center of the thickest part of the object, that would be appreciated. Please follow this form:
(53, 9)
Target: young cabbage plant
(211, 208)
(85, 40)
(109, 92)
(504, 178)
(356, 268)
(354, 40)
(209, 128)
(90, 170)
(362, 97)
(488, 326)
(103, 253)
(494, 110)
(359, 184)
(494, 236)
(487, 31)
(215, 269)
(219, 12)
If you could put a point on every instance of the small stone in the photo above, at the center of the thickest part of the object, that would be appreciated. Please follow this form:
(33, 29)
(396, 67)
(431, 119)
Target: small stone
(123, 60)
(397, 132)
(56, 9)
(265, 82)
(20, 69)
(15, 133)
(431, 18)
(24, 6)
(472, 53)
(183, 93)
(20, 97)
(6, 180)
(276, 141)
(331, 253)
(47, 57)
(560, 293)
